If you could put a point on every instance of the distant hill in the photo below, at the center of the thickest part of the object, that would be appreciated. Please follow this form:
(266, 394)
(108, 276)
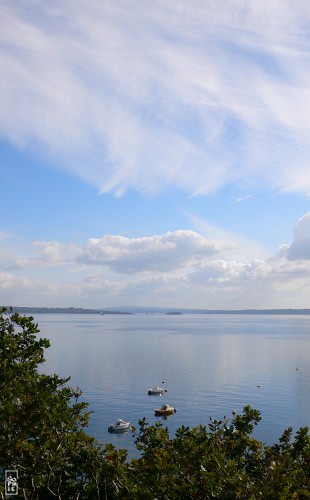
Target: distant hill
(173, 313)
(153, 310)
(179, 310)
(63, 310)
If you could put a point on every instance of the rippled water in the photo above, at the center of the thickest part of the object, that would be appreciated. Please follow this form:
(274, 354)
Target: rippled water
(211, 365)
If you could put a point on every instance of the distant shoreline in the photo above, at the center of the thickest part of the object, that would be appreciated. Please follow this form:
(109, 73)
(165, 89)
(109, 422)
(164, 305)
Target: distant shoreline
(154, 310)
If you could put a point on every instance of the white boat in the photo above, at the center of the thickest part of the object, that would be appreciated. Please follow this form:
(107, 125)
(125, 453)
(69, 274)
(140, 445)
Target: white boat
(119, 426)
(156, 390)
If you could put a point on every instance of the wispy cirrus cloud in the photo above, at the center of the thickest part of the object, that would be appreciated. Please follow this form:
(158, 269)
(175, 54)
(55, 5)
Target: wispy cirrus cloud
(138, 95)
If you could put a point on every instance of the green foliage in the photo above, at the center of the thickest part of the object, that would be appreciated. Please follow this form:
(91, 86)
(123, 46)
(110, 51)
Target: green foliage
(221, 461)
(42, 435)
(42, 420)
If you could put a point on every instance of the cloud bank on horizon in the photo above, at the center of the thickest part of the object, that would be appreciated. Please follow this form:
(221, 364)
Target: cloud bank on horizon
(137, 96)
(179, 268)
(144, 94)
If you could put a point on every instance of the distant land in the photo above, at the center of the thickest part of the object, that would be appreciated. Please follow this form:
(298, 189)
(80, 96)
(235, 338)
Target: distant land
(152, 310)
(63, 310)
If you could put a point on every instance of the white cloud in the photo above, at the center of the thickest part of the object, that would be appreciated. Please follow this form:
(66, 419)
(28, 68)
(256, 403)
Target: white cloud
(222, 284)
(54, 252)
(30, 291)
(8, 280)
(237, 246)
(216, 284)
(14, 252)
(176, 269)
(143, 94)
(241, 199)
(159, 253)
(299, 249)
(172, 250)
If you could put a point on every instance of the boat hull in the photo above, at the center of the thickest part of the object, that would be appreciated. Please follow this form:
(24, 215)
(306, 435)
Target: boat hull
(118, 430)
(156, 392)
(159, 412)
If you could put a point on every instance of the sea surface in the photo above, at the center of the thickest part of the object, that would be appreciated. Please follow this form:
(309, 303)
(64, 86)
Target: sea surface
(211, 365)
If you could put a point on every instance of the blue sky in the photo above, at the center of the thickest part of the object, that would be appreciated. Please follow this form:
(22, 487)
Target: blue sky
(155, 153)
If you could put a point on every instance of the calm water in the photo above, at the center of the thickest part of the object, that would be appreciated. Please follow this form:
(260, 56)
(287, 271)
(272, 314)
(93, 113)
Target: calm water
(211, 365)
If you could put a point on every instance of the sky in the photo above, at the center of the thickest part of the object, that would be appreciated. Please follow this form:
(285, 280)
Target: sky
(155, 153)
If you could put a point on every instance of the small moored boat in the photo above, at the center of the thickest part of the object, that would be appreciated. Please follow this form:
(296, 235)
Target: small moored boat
(119, 426)
(159, 390)
(165, 410)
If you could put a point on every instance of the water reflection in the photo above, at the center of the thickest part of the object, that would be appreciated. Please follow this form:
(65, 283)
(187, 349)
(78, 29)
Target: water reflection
(211, 364)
